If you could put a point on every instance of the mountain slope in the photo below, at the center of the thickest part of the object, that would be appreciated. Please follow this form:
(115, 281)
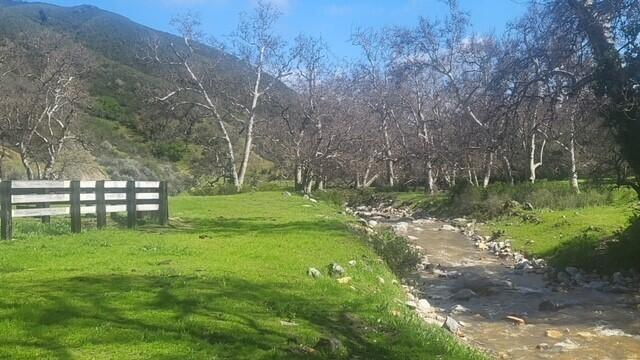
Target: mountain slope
(122, 130)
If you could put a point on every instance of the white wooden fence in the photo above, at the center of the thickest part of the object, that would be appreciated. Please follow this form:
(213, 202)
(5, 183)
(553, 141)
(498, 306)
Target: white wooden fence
(43, 199)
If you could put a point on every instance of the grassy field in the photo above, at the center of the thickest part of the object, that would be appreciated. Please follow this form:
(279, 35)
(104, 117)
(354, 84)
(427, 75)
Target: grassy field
(226, 281)
(573, 237)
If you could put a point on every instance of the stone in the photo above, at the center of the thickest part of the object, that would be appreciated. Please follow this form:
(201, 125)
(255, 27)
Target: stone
(542, 346)
(447, 227)
(401, 227)
(411, 304)
(528, 206)
(424, 306)
(380, 280)
(585, 334)
(286, 193)
(336, 270)
(459, 309)
(288, 323)
(618, 278)
(412, 238)
(564, 278)
(516, 320)
(460, 222)
(463, 295)
(571, 270)
(352, 263)
(452, 325)
(372, 223)
(314, 273)
(344, 280)
(313, 200)
(554, 334)
(548, 305)
(566, 345)
(330, 345)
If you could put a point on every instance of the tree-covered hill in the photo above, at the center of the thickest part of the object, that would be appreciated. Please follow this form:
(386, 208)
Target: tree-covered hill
(123, 133)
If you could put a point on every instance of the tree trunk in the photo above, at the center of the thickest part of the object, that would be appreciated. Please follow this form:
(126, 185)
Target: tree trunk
(507, 165)
(248, 142)
(298, 177)
(574, 168)
(431, 185)
(388, 154)
(487, 172)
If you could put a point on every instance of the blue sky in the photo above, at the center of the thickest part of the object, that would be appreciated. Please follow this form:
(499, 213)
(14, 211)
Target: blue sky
(332, 19)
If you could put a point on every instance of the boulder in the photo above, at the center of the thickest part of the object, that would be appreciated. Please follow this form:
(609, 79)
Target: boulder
(314, 273)
(452, 325)
(459, 309)
(447, 227)
(336, 270)
(463, 295)
(548, 305)
(424, 306)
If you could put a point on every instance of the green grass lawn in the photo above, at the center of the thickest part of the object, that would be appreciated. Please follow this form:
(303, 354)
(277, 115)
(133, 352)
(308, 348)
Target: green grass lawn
(226, 281)
(572, 237)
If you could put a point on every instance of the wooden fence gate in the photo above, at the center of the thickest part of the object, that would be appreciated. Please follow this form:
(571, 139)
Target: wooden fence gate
(43, 199)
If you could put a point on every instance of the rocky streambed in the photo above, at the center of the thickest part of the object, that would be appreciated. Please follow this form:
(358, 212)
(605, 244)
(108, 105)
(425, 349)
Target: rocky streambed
(515, 308)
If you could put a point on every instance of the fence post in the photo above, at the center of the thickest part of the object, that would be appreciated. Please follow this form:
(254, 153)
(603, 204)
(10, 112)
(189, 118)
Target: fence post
(163, 208)
(6, 211)
(45, 219)
(76, 221)
(101, 205)
(131, 204)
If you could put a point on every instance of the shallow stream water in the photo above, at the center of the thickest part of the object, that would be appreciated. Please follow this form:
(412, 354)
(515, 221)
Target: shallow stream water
(588, 324)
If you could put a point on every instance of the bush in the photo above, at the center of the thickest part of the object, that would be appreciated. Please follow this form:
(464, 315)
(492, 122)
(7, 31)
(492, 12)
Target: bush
(206, 186)
(173, 151)
(396, 252)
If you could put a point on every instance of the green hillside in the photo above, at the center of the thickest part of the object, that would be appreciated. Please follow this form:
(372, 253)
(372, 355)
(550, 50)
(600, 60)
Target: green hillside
(122, 131)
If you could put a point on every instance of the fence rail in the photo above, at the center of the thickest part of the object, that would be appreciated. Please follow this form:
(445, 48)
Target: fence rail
(39, 198)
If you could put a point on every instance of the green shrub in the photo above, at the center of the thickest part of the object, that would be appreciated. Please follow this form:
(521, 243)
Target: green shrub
(395, 251)
(173, 151)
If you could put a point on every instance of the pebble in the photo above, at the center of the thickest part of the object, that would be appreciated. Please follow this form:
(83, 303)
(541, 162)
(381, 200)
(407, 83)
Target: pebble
(554, 334)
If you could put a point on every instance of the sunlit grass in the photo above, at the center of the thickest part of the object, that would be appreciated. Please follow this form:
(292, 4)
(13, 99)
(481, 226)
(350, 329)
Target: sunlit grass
(227, 280)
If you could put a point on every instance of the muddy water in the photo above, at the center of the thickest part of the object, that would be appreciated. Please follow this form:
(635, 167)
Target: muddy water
(588, 325)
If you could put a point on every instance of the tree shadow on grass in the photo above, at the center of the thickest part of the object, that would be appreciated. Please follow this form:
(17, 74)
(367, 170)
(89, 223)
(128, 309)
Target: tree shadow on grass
(225, 317)
(590, 250)
(223, 226)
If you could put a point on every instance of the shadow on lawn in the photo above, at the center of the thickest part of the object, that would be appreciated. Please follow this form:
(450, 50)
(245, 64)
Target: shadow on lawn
(218, 316)
(225, 226)
(591, 251)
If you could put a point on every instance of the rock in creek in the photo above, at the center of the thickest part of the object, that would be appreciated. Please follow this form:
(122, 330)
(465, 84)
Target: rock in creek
(447, 227)
(452, 325)
(463, 295)
(548, 305)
